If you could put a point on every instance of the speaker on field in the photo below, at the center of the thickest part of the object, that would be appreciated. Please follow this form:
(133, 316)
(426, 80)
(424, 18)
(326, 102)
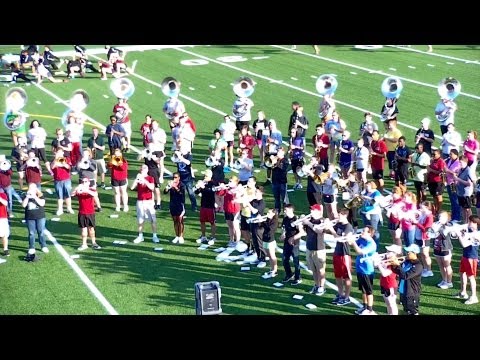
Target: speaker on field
(207, 298)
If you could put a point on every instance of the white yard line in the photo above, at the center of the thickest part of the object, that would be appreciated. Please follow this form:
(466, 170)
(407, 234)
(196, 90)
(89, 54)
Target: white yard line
(283, 84)
(370, 71)
(476, 62)
(88, 283)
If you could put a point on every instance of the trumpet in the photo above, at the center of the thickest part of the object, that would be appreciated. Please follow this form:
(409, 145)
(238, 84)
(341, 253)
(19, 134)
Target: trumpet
(271, 161)
(300, 220)
(117, 160)
(199, 185)
(257, 219)
(347, 238)
(375, 257)
(325, 223)
(221, 187)
(392, 260)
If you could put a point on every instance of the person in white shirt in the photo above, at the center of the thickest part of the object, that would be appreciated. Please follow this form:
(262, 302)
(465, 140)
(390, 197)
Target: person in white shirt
(241, 111)
(36, 136)
(450, 140)
(445, 113)
(361, 156)
(228, 133)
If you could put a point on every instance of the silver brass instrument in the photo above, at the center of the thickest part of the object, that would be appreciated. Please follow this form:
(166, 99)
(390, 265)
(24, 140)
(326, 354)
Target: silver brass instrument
(175, 158)
(170, 87)
(5, 165)
(84, 164)
(326, 86)
(391, 88)
(122, 88)
(221, 187)
(237, 165)
(32, 162)
(346, 238)
(325, 223)
(270, 160)
(145, 154)
(257, 219)
(243, 87)
(300, 220)
(448, 88)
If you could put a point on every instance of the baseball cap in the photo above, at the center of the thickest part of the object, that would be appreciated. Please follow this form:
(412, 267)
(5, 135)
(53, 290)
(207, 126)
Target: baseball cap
(208, 173)
(397, 249)
(316, 207)
(412, 248)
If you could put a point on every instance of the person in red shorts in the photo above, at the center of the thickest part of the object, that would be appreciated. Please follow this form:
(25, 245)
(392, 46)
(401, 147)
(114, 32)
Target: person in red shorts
(388, 280)
(86, 213)
(4, 226)
(118, 166)
(342, 261)
(468, 263)
(207, 208)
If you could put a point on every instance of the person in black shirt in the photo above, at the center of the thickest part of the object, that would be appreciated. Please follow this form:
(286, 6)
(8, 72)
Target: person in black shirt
(299, 121)
(184, 168)
(267, 230)
(402, 154)
(257, 208)
(152, 159)
(291, 246)
(177, 206)
(207, 208)
(425, 136)
(279, 179)
(49, 59)
(34, 205)
(17, 73)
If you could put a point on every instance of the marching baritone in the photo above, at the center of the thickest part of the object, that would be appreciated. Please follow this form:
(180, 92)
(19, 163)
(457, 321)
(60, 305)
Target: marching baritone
(86, 213)
(119, 171)
(177, 206)
(145, 184)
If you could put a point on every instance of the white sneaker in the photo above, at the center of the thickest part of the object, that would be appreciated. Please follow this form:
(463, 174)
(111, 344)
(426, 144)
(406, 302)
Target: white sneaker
(59, 212)
(117, 209)
(31, 251)
(472, 300)
(83, 247)
(125, 208)
(449, 285)
(138, 240)
(261, 264)
(299, 186)
(181, 240)
(444, 286)
(71, 211)
(429, 273)
(211, 240)
(441, 283)
(155, 239)
(201, 239)
(11, 215)
(45, 250)
(175, 241)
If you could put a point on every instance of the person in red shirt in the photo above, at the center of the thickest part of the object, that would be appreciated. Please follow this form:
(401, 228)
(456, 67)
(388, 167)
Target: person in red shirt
(435, 181)
(122, 112)
(6, 184)
(119, 170)
(388, 280)
(33, 170)
(86, 213)
(60, 166)
(321, 143)
(145, 184)
(378, 151)
(4, 226)
(246, 141)
(146, 130)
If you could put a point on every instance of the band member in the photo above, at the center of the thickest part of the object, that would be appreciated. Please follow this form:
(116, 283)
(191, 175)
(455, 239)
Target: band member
(207, 208)
(246, 141)
(424, 223)
(334, 128)
(321, 143)
(173, 109)
(246, 212)
(346, 150)
(4, 225)
(228, 134)
(471, 148)
(389, 110)
(450, 140)
(177, 206)
(291, 245)
(410, 274)
(157, 146)
(316, 253)
(296, 150)
(465, 181)
(268, 228)
(122, 111)
(187, 131)
(353, 188)
(365, 247)
(425, 136)
(445, 113)
(257, 208)
(34, 204)
(394, 215)
(81, 53)
(378, 151)
(246, 167)
(96, 145)
(342, 261)
(260, 126)
(49, 59)
(279, 179)
(241, 111)
(145, 130)
(33, 169)
(298, 121)
(115, 132)
(230, 193)
(371, 210)
(326, 108)
(218, 177)
(469, 263)
(74, 131)
(271, 144)
(184, 168)
(76, 66)
(62, 180)
(42, 72)
(442, 249)
(19, 156)
(314, 187)
(366, 129)
(388, 279)
(86, 213)
(154, 162)
(144, 183)
(17, 73)
(36, 137)
(420, 160)
(391, 137)
(62, 142)
(436, 171)
(401, 162)
(118, 166)
(218, 144)
(361, 157)
(329, 194)
(409, 217)
(6, 184)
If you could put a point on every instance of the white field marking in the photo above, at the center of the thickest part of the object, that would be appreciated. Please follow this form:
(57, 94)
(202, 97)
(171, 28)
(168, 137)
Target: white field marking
(88, 283)
(260, 57)
(212, 86)
(430, 65)
(280, 83)
(450, 63)
(191, 88)
(393, 69)
(359, 68)
(353, 73)
(149, 93)
(411, 67)
(313, 76)
(293, 78)
(106, 96)
(99, 125)
(38, 102)
(435, 54)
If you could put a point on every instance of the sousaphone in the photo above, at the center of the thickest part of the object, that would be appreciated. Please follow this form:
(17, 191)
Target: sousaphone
(122, 88)
(170, 87)
(15, 101)
(326, 86)
(391, 88)
(244, 86)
